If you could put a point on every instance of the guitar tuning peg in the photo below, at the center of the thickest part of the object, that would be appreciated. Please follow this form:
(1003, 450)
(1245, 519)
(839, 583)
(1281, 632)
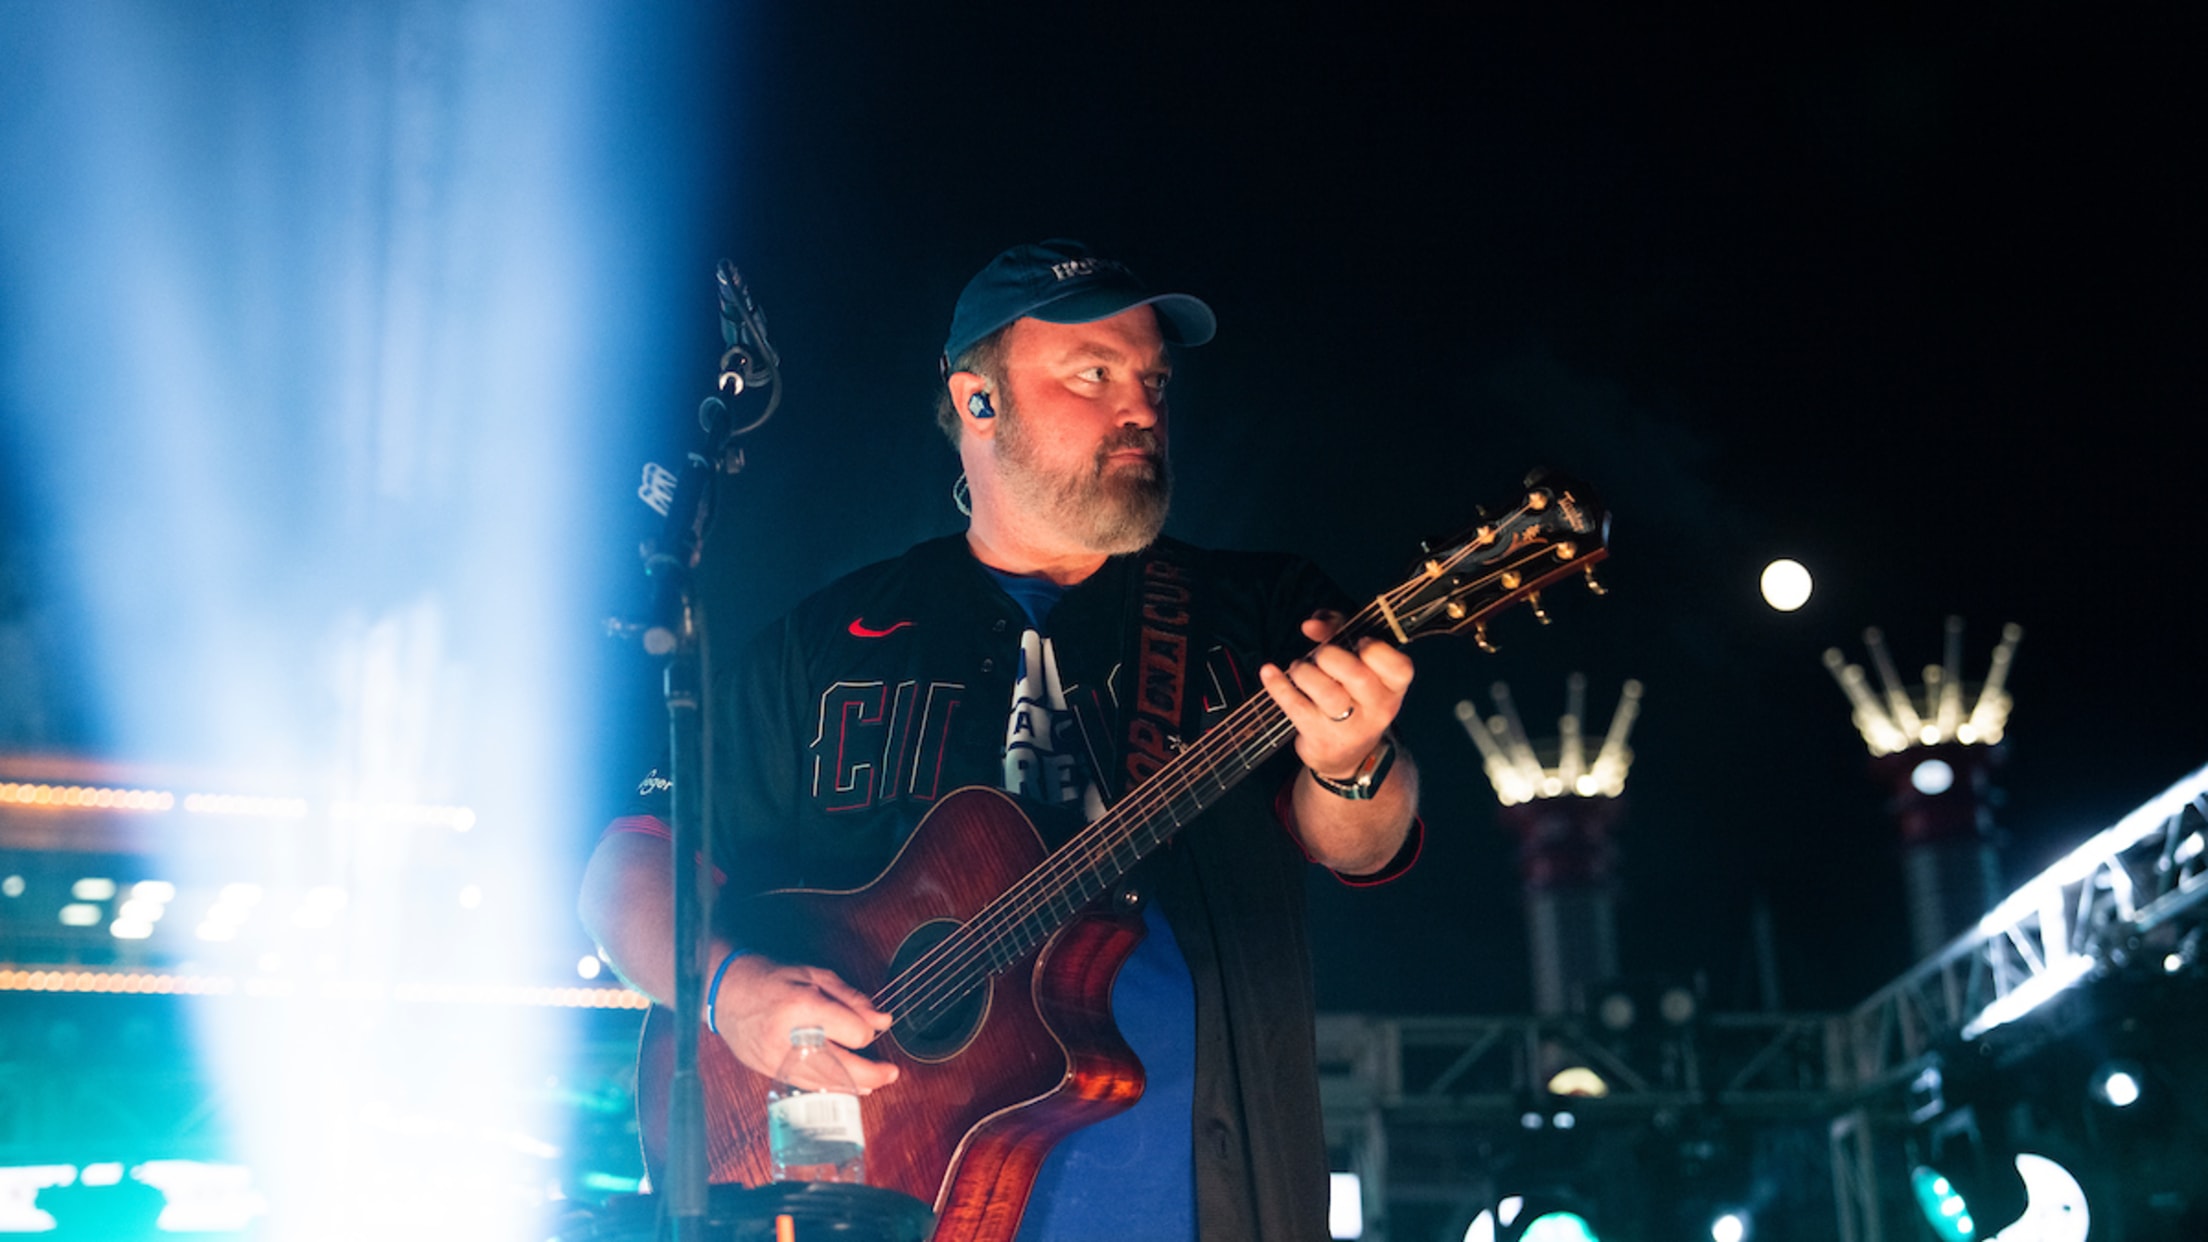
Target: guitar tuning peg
(1593, 585)
(1533, 601)
(1479, 637)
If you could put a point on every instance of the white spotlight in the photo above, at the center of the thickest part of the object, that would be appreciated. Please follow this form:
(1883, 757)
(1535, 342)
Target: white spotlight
(1345, 1202)
(1731, 1227)
(1933, 776)
(1786, 585)
(2120, 1088)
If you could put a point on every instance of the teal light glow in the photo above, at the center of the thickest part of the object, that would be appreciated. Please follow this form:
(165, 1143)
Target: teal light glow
(1558, 1227)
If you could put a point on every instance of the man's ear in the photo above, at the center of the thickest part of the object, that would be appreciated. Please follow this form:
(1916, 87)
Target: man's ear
(977, 418)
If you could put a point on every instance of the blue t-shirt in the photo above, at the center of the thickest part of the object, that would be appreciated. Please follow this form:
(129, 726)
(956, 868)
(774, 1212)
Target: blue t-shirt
(1131, 1175)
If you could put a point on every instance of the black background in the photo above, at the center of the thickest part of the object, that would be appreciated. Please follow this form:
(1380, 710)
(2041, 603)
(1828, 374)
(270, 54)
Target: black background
(1911, 299)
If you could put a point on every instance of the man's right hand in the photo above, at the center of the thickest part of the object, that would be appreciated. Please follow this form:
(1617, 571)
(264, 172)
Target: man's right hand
(761, 1001)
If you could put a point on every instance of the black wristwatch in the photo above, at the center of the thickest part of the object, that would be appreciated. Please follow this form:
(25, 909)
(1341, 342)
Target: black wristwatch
(1362, 784)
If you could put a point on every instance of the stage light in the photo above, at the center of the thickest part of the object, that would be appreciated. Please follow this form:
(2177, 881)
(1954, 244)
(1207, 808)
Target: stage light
(1933, 776)
(93, 888)
(1564, 1121)
(2118, 1084)
(1786, 585)
(19, 1187)
(80, 914)
(140, 910)
(1677, 1005)
(1730, 1227)
(1943, 1208)
(202, 1197)
(1516, 769)
(1616, 1011)
(12, 886)
(1558, 1227)
(2041, 1202)
(1345, 1202)
(354, 317)
(1544, 1217)
(610, 1183)
(589, 967)
(2054, 1208)
(1580, 1081)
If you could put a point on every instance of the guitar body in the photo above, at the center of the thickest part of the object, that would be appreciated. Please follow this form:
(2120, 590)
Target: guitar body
(984, 1094)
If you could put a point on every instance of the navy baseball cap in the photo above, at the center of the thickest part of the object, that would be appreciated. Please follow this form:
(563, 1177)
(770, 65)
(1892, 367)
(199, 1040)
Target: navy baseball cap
(1062, 281)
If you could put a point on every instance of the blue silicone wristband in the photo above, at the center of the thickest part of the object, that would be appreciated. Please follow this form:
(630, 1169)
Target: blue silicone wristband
(713, 990)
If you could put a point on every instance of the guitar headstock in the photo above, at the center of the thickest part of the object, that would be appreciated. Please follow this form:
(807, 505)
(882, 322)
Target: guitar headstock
(1556, 528)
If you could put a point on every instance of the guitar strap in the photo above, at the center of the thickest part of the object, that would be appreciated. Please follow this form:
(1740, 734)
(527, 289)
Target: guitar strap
(1165, 607)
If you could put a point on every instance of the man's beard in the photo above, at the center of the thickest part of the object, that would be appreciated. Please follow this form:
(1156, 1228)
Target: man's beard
(1107, 509)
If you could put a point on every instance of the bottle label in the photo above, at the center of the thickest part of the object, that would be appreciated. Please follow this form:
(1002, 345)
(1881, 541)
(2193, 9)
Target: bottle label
(821, 1116)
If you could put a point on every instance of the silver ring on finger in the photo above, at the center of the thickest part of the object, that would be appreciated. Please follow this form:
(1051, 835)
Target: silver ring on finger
(1347, 712)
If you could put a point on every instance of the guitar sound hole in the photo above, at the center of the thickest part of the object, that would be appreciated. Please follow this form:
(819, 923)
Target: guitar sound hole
(937, 1030)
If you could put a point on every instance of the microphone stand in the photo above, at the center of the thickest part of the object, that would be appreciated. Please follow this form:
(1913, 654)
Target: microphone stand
(678, 631)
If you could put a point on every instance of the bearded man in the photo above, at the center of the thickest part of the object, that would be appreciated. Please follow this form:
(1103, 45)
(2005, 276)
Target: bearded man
(1009, 655)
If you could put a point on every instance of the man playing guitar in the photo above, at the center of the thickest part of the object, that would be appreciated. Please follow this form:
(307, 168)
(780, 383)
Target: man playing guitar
(854, 715)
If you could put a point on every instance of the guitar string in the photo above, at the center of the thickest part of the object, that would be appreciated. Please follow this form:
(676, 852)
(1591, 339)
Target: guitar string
(1000, 922)
(995, 923)
(1004, 918)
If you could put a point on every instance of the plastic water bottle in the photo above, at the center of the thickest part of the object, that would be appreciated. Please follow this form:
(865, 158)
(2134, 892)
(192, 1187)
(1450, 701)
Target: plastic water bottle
(814, 1133)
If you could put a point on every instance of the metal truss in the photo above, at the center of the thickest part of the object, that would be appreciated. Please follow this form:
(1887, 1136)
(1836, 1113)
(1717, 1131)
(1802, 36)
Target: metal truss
(1497, 1068)
(2136, 885)
(1407, 1100)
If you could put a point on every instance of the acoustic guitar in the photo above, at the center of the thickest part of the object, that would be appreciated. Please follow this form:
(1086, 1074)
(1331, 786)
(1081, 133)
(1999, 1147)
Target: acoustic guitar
(996, 956)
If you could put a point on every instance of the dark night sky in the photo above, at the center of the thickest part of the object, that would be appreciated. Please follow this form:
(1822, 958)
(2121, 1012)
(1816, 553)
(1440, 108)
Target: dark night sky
(1907, 298)
(1910, 297)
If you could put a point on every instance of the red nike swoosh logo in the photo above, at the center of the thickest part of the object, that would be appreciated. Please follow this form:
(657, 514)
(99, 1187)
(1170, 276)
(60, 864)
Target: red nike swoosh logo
(860, 630)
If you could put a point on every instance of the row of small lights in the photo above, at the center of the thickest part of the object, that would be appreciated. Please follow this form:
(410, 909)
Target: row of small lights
(198, 1196)
(99, 797)
(160, 983)
(149, 900)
